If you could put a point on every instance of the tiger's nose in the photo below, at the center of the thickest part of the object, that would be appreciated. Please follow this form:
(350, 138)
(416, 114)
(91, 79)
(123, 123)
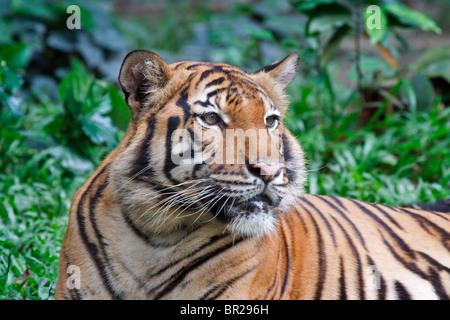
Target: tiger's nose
(265, 171)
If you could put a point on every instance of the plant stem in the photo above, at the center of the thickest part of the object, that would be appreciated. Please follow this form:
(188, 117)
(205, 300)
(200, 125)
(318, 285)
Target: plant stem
(357, 16)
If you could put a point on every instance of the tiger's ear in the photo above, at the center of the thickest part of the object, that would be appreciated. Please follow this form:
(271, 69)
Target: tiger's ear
(143, 73)
(284, 71)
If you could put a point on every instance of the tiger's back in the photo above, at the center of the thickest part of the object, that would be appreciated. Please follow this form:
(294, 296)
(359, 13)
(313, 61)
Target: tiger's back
(162, 218)
(372, 251)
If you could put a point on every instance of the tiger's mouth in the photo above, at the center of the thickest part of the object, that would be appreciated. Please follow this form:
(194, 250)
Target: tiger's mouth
(254, 205)
(247, 213)
(259, 205)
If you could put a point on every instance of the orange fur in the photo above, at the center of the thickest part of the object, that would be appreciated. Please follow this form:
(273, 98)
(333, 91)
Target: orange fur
(144, 227)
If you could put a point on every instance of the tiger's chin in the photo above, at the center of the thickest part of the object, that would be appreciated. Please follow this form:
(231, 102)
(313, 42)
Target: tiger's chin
(255, 217)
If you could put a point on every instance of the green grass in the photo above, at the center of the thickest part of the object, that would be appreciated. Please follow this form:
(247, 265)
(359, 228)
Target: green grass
(401, 160)
(47, 150)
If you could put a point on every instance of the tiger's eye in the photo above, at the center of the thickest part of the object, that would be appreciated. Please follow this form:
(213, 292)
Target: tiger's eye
(211, 118)
(271, 121)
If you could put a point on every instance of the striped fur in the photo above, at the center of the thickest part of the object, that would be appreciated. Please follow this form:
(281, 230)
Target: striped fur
(145, 227)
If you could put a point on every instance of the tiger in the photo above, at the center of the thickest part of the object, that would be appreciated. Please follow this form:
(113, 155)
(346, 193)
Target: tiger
(179, 210)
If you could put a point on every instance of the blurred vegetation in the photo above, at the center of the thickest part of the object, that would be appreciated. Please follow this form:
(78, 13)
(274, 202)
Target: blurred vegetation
(370, 110)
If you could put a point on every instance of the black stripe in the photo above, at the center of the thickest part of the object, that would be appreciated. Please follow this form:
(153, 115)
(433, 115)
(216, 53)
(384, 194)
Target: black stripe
(101, 240)
(275, 280)
(402, 293)
(362, 294)
(424, 222)
(179, 65)
(207, 244)
(381, 289)
(145, 235)
(358, 233)
(204, 104)
(379, 208)
(300, 216)
(172, 125)
(437, 284)
(409, 265)
(90, 246)
(323, 218)
(434, 263)
(288, 263)
(271, 66)
(339, 202)
(272, 286)
(394, 235)
(224, 286)
(75, 293)
(342, 286)
(287, 157)
(434, 277)
(322, 257)
(183, 104)
(236, 98)
(192, 66)
(215, 92)
(242, 79)
(141, 167)
(215, 82)
(440, 214)
(217, 68)
(204, 75)
(175, 279)
(92, 207)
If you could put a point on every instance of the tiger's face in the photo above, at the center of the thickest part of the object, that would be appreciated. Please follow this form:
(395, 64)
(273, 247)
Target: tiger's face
(207, 144)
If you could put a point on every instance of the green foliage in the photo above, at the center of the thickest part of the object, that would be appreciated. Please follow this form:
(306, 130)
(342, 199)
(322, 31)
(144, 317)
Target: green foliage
(35, 36)
(384, 162)
(47, 150)
(411, 17)
(34, 200)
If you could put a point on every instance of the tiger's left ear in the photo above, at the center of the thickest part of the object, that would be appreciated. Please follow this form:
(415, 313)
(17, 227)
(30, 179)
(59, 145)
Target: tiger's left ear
(143, 74)
(282, 72)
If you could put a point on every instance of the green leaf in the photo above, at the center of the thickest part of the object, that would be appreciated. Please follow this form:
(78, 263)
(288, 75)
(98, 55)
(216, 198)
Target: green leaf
(71, 160)
(120, 113)
(260, 34)
(307, 5)
(55, 125)
(407, 91)
(424, 92)
(330, 19)
(413, 16)
(99, 129)
(435, 62)
(333, 44)
(17, 55)
(9, 79)
(75, 84)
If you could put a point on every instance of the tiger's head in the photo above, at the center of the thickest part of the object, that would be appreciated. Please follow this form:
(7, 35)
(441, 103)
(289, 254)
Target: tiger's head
(206, 145)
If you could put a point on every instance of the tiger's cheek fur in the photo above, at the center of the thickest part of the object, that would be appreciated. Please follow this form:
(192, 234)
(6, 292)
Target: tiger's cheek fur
(146, 164)
(295, 170)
